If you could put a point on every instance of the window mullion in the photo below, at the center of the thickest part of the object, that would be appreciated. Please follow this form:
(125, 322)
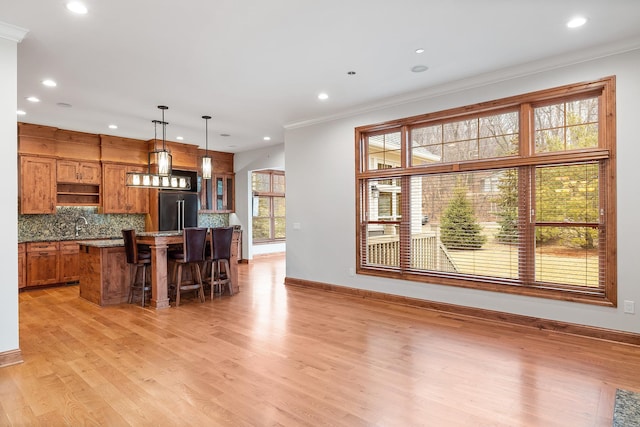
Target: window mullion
(526, 194)
(527, 232)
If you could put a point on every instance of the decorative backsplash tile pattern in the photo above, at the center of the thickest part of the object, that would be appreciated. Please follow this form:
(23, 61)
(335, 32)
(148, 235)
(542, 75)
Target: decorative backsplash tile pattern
(61, 226)
(213, 220)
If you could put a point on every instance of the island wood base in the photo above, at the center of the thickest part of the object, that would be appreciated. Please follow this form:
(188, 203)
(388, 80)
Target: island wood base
(104, 275)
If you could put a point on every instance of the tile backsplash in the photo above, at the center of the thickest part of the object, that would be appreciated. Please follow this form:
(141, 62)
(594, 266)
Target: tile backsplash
(61, 225)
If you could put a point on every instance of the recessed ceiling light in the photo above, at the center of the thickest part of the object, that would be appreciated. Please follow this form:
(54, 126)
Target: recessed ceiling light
(322, 96)
(179, 138)
(351, 73)
(77, 7)
(267, 138)
(419, 68)
(49, 83)
(113, 126)
(63, 104)
(576, 22)
(420, 50)
(33, 99)
(21, 112)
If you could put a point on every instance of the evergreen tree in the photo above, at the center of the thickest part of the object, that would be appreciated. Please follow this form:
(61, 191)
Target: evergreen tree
(459, 226)
(507, 201)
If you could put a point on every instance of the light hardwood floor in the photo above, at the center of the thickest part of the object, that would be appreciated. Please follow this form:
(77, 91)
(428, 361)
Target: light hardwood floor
(274, 355)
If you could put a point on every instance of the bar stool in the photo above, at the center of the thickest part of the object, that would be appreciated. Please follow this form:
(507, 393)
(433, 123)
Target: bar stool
(137, 260)
(192, 255)
(220, 257)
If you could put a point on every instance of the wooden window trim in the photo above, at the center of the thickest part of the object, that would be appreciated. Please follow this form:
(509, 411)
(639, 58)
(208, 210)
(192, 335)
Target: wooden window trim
(271, 195)
(606, 152)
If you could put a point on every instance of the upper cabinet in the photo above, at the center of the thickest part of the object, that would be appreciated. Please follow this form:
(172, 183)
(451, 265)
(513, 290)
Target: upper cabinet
(217, 195)
(37, 185)
(78, 183)
(223, 195)
(119, 156)
(117, 197)
(74, 172)
(61, 168)
(76, 175)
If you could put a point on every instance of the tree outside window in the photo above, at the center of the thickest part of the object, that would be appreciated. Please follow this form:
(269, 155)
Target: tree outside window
(512, 195)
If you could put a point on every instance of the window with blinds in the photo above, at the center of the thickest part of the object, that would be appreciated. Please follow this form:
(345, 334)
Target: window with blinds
(514, 195)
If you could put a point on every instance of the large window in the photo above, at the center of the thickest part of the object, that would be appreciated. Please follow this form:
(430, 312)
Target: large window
(514, 195)
(268, 206)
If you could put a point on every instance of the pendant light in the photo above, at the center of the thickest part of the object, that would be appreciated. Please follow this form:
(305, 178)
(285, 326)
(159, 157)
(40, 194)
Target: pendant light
(163, 157)
(206, 160)
(162, 179)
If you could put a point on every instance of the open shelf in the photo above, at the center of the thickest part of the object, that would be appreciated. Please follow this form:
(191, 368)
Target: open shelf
(78, 195)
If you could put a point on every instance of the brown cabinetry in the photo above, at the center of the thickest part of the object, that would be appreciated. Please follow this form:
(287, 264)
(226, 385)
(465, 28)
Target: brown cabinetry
(223, 193)
(46, 183)
(69, 262)
(117, 197)
(74, 172)
(104, 277)
(22, 276)
(37, 185)
(42, 263)
(49, 263)
(217, 195)
(235, 257)
(78, 183)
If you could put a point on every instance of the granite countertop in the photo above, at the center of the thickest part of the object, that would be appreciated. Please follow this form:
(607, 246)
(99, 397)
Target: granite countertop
(89, 238)
(102, 243)
(66, 238)
(159, 233)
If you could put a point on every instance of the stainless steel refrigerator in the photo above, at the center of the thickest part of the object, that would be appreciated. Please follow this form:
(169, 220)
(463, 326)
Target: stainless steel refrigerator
(177, 210)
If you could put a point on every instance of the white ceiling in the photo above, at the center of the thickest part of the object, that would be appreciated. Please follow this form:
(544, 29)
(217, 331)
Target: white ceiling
(257, 66)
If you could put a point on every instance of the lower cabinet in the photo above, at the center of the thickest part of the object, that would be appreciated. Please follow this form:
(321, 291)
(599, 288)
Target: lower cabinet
(42, 263)
(49, 263)
(22, 265)
(69, 262)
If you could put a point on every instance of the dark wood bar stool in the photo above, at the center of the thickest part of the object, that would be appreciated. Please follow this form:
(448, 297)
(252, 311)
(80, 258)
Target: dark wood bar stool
(192, 254)
(219, 258)
(138, 260)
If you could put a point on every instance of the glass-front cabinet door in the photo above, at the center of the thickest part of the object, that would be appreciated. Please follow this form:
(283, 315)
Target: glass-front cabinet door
(218, 194)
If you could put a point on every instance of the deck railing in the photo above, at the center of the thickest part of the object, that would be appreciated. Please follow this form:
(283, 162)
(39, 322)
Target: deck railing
(427, 253)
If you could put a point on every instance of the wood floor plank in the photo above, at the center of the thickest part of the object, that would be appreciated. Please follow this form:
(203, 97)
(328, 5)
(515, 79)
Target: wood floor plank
(273, 355)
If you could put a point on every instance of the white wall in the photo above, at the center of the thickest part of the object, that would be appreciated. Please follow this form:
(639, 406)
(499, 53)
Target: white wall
(9, 193)
(321, 196)
(243, 164)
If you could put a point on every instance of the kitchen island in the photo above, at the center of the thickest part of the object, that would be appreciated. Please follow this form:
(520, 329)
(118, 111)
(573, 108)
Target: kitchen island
(159, 242)
(104, 272)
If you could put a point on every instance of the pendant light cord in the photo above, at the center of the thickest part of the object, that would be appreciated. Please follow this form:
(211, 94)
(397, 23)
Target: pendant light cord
(206, 135)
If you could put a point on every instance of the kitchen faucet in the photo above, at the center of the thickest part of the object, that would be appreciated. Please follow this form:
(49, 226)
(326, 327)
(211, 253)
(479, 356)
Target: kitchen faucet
(78, 225)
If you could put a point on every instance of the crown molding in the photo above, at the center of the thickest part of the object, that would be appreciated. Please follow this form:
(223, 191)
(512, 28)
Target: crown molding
(484, 79)
(12, 32)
